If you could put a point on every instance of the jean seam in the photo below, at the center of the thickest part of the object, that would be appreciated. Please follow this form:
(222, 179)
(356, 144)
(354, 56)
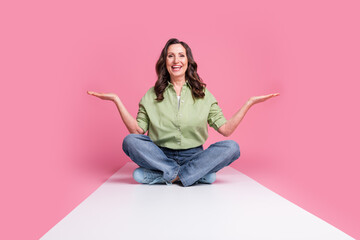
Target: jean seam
(174, 176)
(182, 180)
(235, 154)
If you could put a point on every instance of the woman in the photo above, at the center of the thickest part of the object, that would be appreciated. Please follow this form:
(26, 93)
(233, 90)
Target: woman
(175, 113)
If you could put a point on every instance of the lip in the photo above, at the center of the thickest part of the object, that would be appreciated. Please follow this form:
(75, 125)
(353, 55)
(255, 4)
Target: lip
(175, 70)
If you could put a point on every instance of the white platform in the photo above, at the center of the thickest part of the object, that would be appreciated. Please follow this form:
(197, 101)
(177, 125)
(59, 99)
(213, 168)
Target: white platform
(234, 207)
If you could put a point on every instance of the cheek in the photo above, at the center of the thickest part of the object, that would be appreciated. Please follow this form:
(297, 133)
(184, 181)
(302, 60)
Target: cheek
(167, 65)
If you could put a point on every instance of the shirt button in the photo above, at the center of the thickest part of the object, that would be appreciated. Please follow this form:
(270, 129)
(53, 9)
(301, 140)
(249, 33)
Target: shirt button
(180, 115)
(182, 101)
(179, 143)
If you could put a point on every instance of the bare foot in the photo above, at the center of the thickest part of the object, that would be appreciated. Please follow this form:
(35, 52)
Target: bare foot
(176, 179)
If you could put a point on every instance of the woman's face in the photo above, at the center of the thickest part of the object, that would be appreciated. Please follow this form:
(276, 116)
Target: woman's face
(176, 60)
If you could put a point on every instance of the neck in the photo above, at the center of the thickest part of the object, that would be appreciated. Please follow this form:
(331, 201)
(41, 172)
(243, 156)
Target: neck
(178, 82)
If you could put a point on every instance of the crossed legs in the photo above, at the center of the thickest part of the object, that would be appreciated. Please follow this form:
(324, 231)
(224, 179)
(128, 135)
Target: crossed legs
(148, 155)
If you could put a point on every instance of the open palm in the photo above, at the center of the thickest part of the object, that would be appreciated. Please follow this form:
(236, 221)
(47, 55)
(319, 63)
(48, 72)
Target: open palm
(104, 96)
(258, 99)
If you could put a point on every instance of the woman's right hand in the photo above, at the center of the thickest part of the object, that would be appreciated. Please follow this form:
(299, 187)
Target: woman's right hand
(104, 96)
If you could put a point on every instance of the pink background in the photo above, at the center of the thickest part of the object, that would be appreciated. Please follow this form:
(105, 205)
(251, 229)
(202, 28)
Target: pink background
(59, 144)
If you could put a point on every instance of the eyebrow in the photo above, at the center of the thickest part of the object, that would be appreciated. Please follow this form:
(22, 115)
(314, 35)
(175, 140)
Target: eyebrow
(172, 52)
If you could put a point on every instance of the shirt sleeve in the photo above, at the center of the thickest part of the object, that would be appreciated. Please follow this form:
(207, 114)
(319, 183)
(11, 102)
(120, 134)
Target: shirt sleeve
(142, 118)
(216, 117)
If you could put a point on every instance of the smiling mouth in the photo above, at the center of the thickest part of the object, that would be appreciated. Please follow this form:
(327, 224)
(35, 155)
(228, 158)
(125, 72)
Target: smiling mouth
(176, 68)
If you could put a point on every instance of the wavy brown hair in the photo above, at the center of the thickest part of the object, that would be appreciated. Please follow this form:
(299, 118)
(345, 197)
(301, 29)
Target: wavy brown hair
(191, 75)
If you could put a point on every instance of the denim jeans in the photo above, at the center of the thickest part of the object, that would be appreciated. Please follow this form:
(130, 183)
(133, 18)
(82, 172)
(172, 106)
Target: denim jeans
(189, 164)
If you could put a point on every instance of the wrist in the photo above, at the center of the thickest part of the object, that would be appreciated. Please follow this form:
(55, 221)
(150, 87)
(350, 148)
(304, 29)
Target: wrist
(249, 103)
(116, 100)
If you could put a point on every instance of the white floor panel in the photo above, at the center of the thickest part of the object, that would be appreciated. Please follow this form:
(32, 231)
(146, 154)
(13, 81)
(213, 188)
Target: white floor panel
(234, 207)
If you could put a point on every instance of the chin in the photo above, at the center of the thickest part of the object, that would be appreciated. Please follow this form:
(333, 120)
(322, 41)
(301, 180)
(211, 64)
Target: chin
(178, 75)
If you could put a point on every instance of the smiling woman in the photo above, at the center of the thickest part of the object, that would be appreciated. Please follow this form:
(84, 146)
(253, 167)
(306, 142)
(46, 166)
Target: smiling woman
(175, 113)
(176, 62)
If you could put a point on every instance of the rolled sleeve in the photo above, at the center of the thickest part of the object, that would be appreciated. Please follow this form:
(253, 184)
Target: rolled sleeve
(216, 117)
(142, 118)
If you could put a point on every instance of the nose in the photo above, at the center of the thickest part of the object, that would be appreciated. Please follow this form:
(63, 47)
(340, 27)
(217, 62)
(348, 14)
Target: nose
(176, 59)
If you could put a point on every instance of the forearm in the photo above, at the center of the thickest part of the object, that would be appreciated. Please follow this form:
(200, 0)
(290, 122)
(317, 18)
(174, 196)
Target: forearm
(129, 121)
(229, 127)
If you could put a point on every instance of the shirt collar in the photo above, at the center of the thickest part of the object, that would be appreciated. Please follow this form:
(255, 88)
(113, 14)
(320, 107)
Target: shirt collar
(186, 83)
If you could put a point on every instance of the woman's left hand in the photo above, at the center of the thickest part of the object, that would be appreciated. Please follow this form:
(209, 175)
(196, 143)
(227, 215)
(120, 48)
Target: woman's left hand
(258, 99)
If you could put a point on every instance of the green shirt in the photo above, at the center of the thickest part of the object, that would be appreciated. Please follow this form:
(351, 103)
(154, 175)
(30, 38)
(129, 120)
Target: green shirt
(179, 127)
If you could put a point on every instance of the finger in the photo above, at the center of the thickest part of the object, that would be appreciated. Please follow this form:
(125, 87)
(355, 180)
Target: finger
(269, 95)
(272, 95)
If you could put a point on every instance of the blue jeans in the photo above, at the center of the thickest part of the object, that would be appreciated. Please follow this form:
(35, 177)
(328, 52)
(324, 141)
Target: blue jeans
(189, 164)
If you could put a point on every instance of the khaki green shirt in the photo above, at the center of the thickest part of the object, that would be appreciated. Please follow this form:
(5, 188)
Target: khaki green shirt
(179, 127)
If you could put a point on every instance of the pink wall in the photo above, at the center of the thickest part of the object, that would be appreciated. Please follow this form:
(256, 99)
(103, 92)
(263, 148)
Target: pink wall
(58, 144)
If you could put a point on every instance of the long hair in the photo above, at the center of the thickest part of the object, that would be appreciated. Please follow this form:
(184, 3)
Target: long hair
(191, 75)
